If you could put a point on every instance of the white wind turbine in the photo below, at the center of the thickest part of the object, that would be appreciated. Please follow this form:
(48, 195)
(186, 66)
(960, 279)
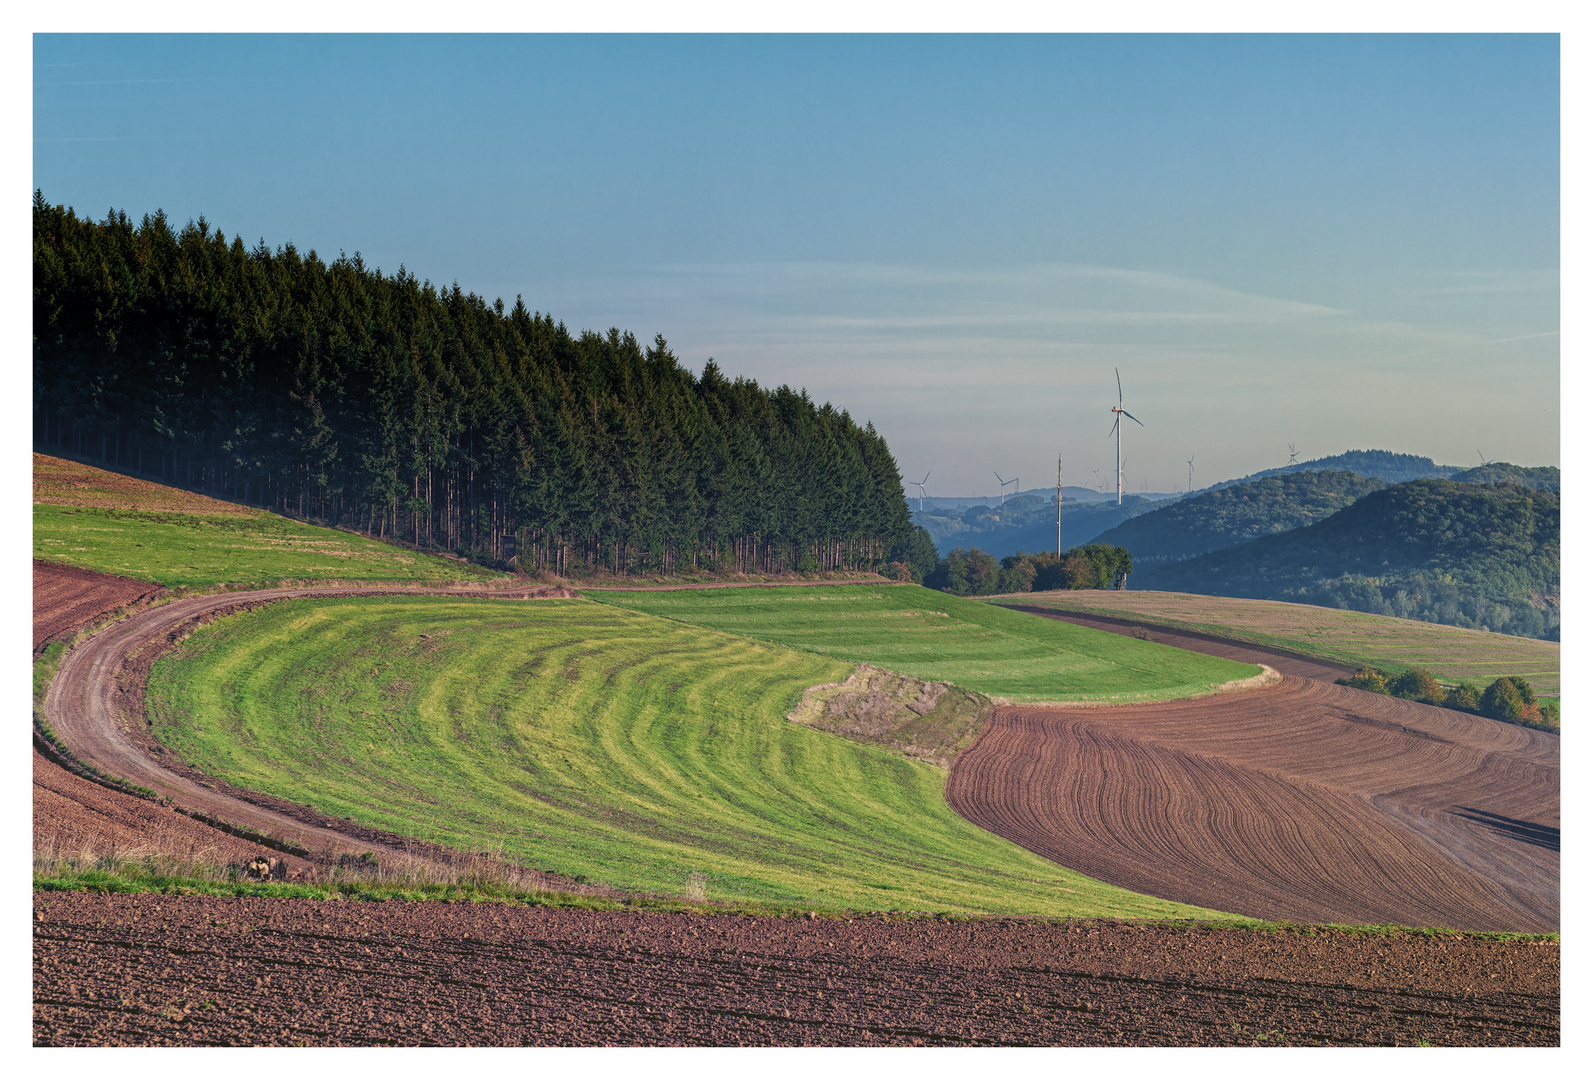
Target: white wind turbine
(1191, 463)
(1117, 429)
(1294, 455)
(919, 484)
(1004, 483)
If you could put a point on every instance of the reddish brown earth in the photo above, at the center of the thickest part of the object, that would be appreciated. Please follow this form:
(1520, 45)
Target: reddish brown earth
(66, 598)
(149, 970)
(1302, 801)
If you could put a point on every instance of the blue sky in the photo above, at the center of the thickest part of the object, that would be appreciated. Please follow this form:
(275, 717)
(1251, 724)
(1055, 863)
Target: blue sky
(1328, 241)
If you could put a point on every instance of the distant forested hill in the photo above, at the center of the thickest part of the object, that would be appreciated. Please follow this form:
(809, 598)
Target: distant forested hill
(1384, 465)
(333, 391)
(1026, 523)
(1543, 478)
(1233, 515)
(1455, 553)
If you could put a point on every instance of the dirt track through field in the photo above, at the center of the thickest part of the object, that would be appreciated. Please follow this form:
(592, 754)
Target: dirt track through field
(152, 970)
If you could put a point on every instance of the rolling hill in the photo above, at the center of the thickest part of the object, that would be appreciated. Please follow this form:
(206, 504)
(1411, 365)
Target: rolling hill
(1385, 465)
(1027, 523)
(1454, 553)
(1233, 515)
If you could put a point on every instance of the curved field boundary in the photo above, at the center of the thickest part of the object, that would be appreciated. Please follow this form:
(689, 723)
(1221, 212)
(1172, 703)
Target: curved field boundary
(1285, 662)
(84, 714)
(1303, 802)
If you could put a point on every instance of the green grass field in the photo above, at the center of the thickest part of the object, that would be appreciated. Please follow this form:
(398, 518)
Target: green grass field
(595, 742)
(934, 635)
(245, 550)
(1355, 638)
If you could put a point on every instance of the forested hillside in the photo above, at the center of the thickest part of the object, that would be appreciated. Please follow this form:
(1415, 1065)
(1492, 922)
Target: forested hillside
(1541, 478)
(1384, 465)
(332, 391)
(1233, 515)
(1461, 554)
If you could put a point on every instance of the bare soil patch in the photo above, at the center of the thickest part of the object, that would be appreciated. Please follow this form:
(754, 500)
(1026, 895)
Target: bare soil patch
(925, 720)
(153, 970)
(1304, 802)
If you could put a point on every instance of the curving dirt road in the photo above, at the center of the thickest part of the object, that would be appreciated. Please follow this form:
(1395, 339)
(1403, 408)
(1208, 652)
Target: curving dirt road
(82, 704)
(1304, 801)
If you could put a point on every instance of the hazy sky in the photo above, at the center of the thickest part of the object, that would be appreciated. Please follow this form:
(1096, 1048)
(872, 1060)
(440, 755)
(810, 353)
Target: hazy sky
(1335, 242)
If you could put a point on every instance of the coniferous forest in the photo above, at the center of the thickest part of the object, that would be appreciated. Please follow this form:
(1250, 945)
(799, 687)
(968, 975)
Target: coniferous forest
(334, 392)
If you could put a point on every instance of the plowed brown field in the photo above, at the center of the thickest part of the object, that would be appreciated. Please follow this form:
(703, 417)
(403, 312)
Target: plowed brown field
(149, 970)
(1303, 801)
(66, 598)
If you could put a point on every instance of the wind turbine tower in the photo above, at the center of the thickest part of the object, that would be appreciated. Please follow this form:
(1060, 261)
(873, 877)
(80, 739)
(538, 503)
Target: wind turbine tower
(1191, 490)
(919, 484)
(1117, 429)
(1059, 506)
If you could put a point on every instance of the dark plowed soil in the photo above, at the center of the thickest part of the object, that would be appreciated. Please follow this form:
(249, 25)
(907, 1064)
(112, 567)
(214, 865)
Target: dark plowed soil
(66, 598)
(191, 970)
(1303, 801)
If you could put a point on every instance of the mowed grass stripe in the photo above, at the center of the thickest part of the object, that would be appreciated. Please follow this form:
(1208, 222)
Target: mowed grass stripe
(933, 635)
(595, 742)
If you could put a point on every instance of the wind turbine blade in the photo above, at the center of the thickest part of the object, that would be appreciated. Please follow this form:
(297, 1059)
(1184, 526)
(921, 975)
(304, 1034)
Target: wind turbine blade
(1113, 428)
(1119, 375)
(1132, 417)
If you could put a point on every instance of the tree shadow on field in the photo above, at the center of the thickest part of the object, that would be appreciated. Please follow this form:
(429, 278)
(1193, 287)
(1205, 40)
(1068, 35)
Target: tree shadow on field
(1528, 832)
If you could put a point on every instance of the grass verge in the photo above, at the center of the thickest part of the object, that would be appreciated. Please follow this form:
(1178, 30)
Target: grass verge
(933, 635)
(134, 879)
(596, 743)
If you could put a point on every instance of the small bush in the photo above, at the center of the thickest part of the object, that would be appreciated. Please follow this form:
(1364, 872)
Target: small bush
(1503, 701)
(1368, 679)
(1417, 685)
(1465, 697)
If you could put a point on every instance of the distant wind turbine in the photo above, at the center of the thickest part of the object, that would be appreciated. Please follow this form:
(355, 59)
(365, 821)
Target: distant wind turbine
(1117, 429)
(1293, 455)
(1191, 490)
(1004, 483)
(919, 484)
(1097, 473)
(1482, 459)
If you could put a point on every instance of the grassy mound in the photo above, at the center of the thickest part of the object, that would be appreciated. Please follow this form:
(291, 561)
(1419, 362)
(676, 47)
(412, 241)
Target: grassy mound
(116, 524)
(933, 635)
(597, 743)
